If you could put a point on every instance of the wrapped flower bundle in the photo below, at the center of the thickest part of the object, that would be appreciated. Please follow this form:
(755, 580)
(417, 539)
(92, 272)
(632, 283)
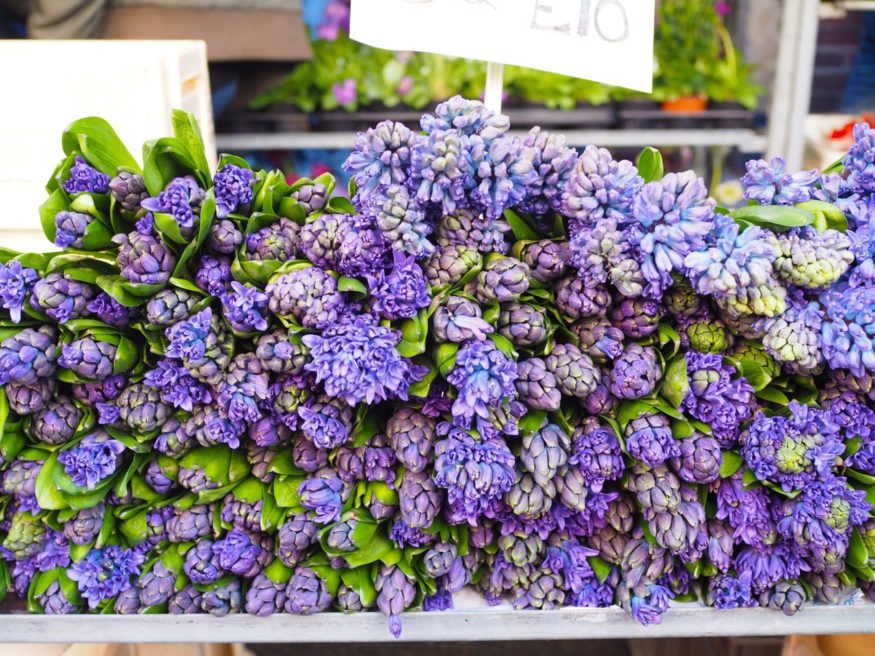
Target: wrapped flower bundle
(562, 379)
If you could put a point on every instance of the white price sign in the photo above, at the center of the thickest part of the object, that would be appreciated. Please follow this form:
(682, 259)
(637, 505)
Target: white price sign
(609, 41)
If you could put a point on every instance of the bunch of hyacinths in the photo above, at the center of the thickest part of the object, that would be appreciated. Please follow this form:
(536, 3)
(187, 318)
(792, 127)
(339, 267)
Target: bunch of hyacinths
(559, 377)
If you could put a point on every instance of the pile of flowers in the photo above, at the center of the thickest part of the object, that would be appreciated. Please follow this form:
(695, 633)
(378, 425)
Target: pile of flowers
(558, 378)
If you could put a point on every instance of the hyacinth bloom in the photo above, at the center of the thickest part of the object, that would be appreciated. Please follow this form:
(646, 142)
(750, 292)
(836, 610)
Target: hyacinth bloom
(716, 397)
(504, 173)
(244, 307)
(441, 169)
(553, 162)
(475, 474)
(357, 361)
(177, 386)
(600, 186)
(181, 198)
(84, 178)
(792, 451)
(144, 259)
(739, 262)
(768, 184)
(401, 292)
(400, 219)
(484, 377)
(848, 330)
(380, 157)
(15, 282)
(60, 297)
(104, 573)
(323, 497)
(233, 188)
(860, 161)
(70, 228)
(92, 459)
(673, 217)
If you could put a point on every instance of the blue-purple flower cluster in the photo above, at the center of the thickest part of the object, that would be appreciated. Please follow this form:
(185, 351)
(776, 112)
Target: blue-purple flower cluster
(562, 378)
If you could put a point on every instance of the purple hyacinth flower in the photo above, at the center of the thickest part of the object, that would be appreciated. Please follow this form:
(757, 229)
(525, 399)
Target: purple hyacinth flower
(401, 292)
(484, 377)
(181, 198)
(323, 496)
(15, 282)
(104, 573)
(70, 228)
(91, 460)
(357, 361)
(84, 178)
(768, 184)
(674, 216)
(233, 189)
(244, 307)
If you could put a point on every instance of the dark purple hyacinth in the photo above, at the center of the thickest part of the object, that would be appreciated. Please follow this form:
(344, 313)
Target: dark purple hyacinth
(792, 451)
(717, 397)
(70, 229)
(400, 292)
(84, 178)
(357, 361)
(92, 460)
(15, 282)
(181, 199)
(233, 189)
(104, 573)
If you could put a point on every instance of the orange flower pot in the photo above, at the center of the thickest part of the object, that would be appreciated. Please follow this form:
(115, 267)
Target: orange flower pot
(686, 105)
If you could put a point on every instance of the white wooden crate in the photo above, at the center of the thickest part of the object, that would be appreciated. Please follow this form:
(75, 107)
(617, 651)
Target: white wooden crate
(45, 85)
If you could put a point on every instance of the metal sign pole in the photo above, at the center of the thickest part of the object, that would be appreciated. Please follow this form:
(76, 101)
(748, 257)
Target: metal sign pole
(494, 86)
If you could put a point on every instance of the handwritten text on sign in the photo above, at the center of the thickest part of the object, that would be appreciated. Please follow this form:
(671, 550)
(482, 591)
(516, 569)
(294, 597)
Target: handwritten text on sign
(609, 41)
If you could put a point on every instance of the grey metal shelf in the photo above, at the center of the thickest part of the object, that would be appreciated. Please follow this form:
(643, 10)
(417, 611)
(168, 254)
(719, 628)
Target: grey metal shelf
(744, 139)
(478, 624)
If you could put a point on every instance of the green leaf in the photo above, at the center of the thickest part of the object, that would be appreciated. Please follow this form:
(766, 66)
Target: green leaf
(521, 229)
(532, 422)
(278, 572)
(360, 580)
(260, 271)
(668, 335)
(677, 382)
(95, 138)
(775, 217)
(97, 237)
(601, 568)
(116, 287)
(858, 555)
(773, 395)
(134, 528)
(168, 227)
(755, 373)
(650, 165)
(47, 494)
(376, 549)
(55, 203)
(345, 284)
(285, 491)
(127, 356)
(826, 215)
(630, 410)
(445, 357)
(163, 160)
(732, 462)
(866, 479)
(187, 130)
(421, 389)
(340, 205)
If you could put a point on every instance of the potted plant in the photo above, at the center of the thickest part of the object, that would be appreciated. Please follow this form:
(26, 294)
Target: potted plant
(686, 45)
